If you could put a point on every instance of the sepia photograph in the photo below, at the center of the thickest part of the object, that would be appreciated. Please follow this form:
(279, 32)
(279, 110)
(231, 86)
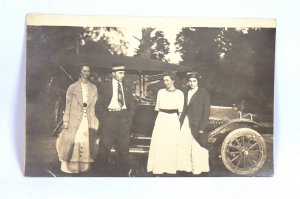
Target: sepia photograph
(149, 96)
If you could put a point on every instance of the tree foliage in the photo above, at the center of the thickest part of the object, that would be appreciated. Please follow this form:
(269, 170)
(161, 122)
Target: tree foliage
(154, 47)
(48, 41)
(236, 63)
(160, 46)
(104, 40)
(43, 42)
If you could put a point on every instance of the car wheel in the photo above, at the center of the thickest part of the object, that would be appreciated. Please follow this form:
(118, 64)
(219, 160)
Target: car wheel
(57, 116)
(243, 151)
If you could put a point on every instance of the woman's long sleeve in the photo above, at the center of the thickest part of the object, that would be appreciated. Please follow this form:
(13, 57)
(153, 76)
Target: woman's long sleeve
(180, 102)
(206, 111)
(157, 101)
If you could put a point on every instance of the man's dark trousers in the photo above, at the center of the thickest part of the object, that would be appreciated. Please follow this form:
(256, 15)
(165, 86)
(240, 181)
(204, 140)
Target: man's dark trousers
(116, 130)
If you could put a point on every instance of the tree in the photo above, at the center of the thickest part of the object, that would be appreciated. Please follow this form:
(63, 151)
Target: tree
(104, 40)
(197, 47)
(43, 42)
(156, 47)
(199, 50)
(251, 64)
(144, 49)
(160, 46)
(237, 63)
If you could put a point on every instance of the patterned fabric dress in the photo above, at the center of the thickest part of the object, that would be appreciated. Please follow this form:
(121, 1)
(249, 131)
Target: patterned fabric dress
(81, 159)
(191, 156)
(163, 149)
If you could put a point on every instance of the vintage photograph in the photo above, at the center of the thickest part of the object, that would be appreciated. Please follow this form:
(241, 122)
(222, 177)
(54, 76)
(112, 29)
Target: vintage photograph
(149, 97)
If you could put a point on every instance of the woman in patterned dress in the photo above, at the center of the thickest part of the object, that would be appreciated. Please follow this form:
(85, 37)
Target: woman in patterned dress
(76, 143)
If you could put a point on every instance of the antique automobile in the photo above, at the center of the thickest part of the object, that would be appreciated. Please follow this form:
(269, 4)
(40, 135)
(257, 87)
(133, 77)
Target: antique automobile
(235, 137)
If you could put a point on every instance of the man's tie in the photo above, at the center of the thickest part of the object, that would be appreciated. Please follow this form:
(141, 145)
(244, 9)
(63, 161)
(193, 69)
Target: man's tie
(120, 95)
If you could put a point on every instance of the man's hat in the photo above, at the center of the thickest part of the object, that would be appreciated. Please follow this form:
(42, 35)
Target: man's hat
(117, 67)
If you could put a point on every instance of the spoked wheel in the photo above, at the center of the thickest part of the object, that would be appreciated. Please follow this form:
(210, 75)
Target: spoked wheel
(57, 116)
(244, 151)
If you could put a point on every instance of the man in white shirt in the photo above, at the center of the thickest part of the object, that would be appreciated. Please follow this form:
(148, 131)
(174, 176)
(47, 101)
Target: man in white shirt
(115, 109)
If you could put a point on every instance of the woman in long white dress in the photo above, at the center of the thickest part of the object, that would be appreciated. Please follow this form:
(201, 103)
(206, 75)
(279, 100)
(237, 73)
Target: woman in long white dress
(192, 150)
(163, 148)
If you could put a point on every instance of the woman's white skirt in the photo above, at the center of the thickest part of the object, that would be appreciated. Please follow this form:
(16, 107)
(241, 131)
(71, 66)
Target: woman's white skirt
(81, 158)
(163, 149)
(191, 156)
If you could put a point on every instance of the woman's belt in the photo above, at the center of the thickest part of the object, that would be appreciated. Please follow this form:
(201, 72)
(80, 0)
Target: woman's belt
(169, 110)
(115, 109)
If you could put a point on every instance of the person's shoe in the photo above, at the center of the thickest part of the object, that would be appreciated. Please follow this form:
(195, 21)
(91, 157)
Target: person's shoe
(130, 173)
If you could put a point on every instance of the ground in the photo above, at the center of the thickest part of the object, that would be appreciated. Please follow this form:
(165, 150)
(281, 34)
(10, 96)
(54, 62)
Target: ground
(42, 160)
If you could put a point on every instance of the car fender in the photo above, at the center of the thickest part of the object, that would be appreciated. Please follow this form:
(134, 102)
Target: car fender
(232, 125)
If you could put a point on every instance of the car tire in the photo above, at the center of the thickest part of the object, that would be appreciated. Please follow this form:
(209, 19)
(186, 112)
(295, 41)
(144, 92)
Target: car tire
(243, 151)
(57, 116)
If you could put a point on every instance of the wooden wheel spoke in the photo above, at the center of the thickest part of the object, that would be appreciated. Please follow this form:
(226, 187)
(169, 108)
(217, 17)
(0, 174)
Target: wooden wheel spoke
(254, 157)
(256, 150)
(249, 160)
(243, 140)
(233, 146)
(238, 164)
(253, 145)
(238, 142)
(249, 140)
(233, 152)
(233, 159)
(244, 162)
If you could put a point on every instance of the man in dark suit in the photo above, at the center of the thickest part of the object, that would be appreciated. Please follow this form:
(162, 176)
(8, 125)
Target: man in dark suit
(115, 109)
